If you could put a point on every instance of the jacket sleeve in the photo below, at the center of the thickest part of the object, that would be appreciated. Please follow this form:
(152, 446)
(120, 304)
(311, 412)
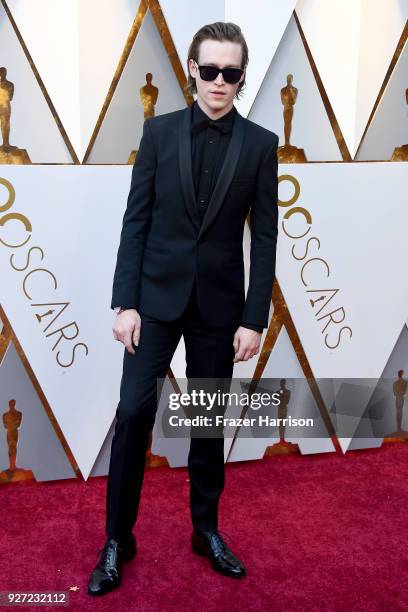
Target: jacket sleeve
(257, 328)
(264, 232)
(136, 224)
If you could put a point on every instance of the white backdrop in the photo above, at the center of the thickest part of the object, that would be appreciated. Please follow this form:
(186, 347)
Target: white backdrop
(70, 214)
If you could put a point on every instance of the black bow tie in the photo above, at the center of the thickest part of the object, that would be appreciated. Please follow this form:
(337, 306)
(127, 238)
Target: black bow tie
(204, 123)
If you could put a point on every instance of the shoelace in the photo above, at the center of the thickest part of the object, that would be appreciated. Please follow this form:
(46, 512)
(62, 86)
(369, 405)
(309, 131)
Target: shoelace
(217, 544)
(108, 553)
(218, 540)
(225, 537)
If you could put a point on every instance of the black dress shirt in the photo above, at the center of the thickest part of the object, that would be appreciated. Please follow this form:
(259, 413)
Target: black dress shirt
(209, 145)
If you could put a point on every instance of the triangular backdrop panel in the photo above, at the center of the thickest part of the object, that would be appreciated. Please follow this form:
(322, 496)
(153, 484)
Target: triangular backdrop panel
(174, 449)
(81, 49)
(311, 129)
(282, 363)
(184, 18)
(398, 361)
(32, 125)
(338, 278)
(38, 448)
(376, 53)
(101, 43)
(66, 316)
(348, 402)
(101, 465)
(122, 127)
(389, 126)
(352, 55)
(263, 24)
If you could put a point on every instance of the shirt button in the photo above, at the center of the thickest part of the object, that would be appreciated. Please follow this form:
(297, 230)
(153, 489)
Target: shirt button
(210, 141)
(206, 171)
(202, 201)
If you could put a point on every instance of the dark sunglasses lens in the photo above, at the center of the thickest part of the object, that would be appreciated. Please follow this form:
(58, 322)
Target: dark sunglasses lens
(230, 75)
(208, 73)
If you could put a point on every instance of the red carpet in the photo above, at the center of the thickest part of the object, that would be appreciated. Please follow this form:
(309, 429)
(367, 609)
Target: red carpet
(325, 532)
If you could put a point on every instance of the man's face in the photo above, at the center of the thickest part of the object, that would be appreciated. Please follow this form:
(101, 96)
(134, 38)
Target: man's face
(221, 54)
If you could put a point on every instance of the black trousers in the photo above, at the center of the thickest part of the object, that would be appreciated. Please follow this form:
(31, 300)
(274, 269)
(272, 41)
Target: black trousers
(209, 354)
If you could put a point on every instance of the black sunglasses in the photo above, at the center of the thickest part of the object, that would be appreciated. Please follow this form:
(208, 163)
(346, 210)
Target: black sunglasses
(230, 75)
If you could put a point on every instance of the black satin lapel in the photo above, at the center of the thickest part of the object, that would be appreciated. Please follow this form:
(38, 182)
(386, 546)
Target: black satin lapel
(226, 173)
(185, 166)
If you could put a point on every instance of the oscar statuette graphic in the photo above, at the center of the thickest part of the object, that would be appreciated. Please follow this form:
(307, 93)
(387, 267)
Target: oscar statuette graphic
(399, 388)
(401, 153)
(148, 96)
(12, 421)
(282, 445)
(8, 153)
(287, 153)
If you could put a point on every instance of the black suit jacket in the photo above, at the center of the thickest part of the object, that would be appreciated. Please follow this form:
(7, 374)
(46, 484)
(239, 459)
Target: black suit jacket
(162, 245)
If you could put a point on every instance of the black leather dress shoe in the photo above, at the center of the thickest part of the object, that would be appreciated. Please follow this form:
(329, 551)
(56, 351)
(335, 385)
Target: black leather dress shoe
(107, 574)
(211, 545)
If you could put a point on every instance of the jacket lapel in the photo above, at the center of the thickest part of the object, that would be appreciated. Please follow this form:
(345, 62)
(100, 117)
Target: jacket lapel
(225, 175)
(185, 166)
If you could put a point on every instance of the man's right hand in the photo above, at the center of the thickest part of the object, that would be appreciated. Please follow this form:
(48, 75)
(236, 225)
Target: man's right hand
(126, 328)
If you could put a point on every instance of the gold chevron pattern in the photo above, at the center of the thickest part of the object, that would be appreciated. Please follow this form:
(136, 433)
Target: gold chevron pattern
(281, 318)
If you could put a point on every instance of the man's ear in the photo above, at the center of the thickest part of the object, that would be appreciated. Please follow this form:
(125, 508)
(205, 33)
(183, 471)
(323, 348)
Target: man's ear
(191, 66)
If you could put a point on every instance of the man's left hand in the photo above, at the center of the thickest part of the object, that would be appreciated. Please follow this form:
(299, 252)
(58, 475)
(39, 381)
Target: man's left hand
(246, 343)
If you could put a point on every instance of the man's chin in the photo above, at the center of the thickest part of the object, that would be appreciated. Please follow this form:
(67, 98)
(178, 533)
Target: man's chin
(217, 103)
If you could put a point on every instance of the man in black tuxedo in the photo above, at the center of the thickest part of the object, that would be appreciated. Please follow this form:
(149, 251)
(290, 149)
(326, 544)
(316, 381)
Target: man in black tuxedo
(180, 271)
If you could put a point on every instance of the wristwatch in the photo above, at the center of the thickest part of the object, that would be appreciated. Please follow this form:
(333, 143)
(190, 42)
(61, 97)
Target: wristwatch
(118, 309)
